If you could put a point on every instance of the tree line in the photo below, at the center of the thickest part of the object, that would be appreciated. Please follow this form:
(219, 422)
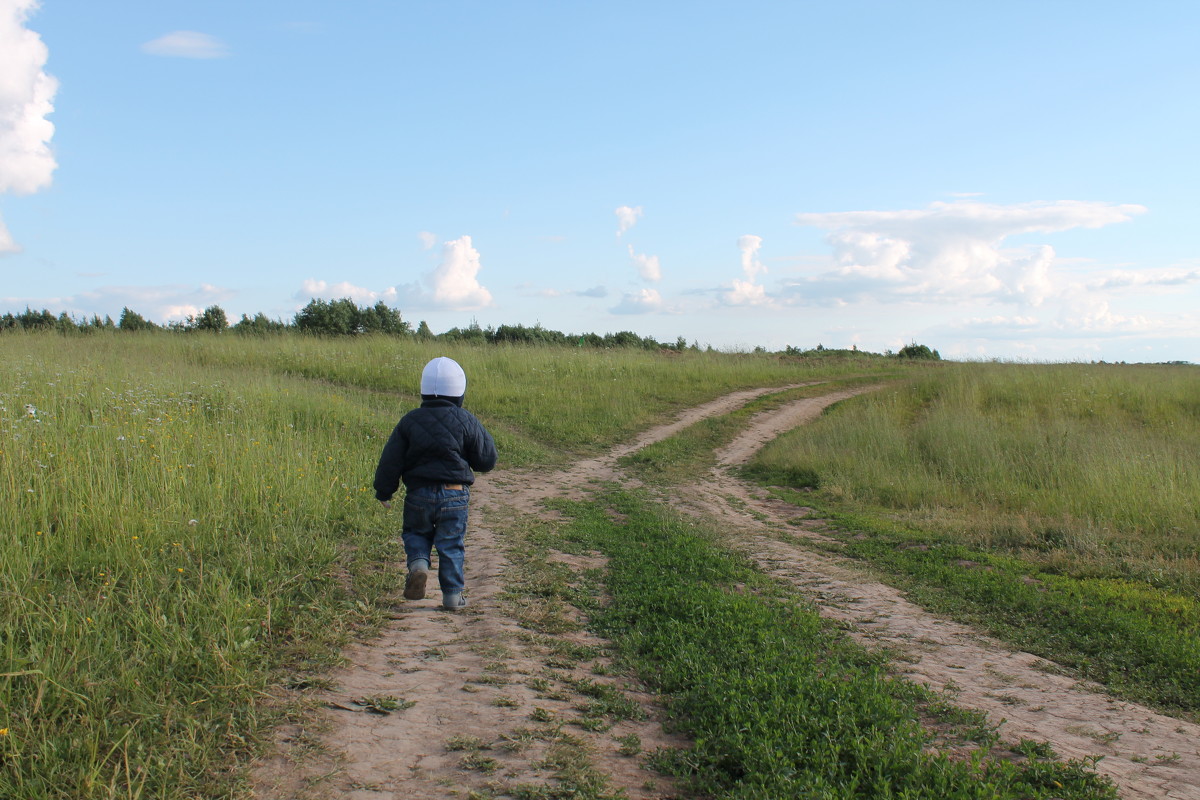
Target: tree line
(344, 317)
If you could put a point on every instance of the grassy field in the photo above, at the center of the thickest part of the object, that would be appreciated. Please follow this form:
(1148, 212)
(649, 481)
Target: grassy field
(1053, 504)
(191, 525)
(190, 522)
(777, 703)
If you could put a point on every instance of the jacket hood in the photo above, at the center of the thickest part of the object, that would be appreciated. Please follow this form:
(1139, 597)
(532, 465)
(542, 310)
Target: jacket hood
(443, 377)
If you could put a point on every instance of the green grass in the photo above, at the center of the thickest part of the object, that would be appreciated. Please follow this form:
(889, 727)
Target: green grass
(189, 522)
(545, 404)
(1088, 469)
(1054, 505)
(680, 458)
(174, 539)
(777, 704)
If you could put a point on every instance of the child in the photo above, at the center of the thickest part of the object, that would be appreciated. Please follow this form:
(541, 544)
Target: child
(434, 449)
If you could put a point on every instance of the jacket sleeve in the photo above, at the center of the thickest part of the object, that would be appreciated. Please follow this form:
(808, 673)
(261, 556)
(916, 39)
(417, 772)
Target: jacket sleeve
(391, 466)
(481, 448)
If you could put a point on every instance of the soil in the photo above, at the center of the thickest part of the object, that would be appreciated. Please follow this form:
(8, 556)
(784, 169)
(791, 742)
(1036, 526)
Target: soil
(476, 726)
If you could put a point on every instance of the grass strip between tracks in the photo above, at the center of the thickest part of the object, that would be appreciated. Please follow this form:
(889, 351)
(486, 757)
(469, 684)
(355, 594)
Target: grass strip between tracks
(777, 703)
(1139, 641)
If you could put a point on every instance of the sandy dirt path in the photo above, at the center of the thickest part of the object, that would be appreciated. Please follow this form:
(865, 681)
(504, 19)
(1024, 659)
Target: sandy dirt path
(468, 674)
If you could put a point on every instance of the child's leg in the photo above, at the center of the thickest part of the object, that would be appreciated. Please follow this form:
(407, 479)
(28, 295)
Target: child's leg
(450, 530)
(418, 533)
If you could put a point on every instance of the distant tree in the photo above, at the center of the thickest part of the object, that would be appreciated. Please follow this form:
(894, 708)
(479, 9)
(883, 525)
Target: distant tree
(423, 331)
(260, 325)
(31, 320)
(344, 318)
(381, 319)
(64, 324)
(133, 321)
(918, 351)
(212, 319)
(471, 333)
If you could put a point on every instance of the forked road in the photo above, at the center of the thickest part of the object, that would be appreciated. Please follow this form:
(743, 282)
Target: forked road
(425, 656)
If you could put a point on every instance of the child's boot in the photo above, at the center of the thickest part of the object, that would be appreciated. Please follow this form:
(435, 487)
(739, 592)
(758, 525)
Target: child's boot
(414, 584)
(453, 600)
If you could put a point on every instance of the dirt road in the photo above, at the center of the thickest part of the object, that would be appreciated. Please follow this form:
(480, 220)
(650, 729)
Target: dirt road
(487, 696)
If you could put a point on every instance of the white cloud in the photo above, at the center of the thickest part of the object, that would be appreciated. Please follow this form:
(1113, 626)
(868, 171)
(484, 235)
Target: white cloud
(644, 301)
(26, 99)
(746, 293)
(158, 303)
(455, 280)
(949, 251)
(453, 285)
(627, 217)
(1126, 279)
(427, 239)
(186, 44)
(749, 245)
(647, 266)
(7, 245)
(310, 289)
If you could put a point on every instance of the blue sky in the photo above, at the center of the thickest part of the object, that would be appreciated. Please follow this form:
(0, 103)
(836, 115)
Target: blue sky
(1012, 181)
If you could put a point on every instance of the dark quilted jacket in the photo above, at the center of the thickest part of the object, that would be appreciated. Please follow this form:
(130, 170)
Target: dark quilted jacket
(436, 443)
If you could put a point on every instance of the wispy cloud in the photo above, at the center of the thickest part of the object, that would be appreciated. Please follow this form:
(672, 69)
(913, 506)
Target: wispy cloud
(163, 303)
(186, 44)
(427, 239)
(315, 289)
(26, 99)
(627, 217)
(644, 301)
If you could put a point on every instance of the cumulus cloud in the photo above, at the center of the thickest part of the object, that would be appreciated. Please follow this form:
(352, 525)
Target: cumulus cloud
(749, 245)
(949, 251)
(627, 217)
(644, 301)
(745, 293)
(186, 44)
(26, 99)
(647, 266)
(595, 291)
(455, 280)
(748, 292)
(453, 285)
(427, 239)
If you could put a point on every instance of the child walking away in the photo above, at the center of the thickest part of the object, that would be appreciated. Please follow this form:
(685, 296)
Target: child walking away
(436, 450)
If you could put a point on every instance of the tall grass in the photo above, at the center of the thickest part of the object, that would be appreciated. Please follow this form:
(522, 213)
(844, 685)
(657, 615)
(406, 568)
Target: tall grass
(1054, 504)
(170, 535)
(549, 401)
(1085, 467)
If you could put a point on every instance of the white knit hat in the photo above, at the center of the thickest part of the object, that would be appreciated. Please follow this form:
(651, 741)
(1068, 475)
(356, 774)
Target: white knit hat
(443, 377)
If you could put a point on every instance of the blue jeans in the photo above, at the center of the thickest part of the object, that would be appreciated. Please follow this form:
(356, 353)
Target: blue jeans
(437, 517)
